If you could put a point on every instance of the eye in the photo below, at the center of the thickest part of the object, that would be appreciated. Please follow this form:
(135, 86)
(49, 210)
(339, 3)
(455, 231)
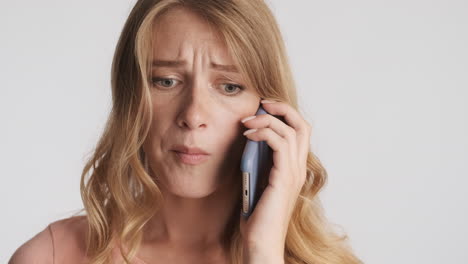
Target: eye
(232, 87)
(165, 81)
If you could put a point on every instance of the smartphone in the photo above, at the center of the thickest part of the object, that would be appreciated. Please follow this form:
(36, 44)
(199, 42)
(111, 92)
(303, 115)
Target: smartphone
(256, 164)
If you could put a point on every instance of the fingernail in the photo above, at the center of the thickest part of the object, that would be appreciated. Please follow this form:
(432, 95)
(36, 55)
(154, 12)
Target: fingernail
(267, 101)
(247, 118)
(250, 131)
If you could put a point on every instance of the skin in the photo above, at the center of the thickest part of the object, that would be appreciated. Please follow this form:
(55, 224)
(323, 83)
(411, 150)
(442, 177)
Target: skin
(197, 106)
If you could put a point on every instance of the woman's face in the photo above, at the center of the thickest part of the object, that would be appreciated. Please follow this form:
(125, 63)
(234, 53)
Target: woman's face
(195, 105)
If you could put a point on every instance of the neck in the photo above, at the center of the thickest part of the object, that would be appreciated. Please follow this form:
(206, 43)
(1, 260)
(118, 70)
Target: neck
(196, 223)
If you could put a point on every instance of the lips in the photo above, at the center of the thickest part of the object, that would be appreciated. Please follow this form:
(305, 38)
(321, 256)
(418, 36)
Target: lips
(189, 150)
(192, 159)
(190, 155)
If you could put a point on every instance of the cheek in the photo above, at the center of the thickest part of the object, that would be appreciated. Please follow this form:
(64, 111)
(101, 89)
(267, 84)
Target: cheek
(158, 133)
(229, 133)
(229, 126)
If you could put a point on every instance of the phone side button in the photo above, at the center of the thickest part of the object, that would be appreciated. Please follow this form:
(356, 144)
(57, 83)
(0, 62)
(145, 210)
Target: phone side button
(245, 192)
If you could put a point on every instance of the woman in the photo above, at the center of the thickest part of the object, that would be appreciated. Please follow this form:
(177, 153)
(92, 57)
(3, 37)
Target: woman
(187, 77)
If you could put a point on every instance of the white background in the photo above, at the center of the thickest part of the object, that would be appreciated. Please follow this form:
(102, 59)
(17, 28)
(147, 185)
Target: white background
(384, 84)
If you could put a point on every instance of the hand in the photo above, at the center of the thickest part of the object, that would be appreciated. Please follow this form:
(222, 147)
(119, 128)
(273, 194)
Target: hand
(264, 232)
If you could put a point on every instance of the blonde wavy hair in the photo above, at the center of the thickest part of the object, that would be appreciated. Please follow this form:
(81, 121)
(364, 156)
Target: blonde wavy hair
(118, 193)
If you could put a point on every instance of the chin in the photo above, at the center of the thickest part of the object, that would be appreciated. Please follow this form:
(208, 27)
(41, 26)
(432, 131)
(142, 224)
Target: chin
(190, 189)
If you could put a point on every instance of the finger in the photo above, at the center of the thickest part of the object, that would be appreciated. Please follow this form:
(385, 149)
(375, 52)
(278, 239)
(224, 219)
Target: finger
(275, 124)
(278, 144)
(293, 119)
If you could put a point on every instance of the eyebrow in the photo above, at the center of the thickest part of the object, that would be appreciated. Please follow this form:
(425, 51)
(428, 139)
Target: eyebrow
(176, 64)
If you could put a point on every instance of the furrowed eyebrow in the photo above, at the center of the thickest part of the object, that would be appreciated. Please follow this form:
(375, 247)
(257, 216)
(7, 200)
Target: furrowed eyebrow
(166, 63)
(177, 64)
(226, 68)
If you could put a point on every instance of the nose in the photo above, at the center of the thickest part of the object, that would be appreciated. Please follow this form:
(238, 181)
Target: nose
(195, 106)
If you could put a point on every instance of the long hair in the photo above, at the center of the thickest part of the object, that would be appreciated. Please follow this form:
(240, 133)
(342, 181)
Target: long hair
(118, 193)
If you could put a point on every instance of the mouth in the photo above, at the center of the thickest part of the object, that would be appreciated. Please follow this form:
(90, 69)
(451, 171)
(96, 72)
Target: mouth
(191, 159)
(189, 149)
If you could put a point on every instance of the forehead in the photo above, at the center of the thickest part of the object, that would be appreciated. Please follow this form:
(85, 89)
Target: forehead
(180, 31)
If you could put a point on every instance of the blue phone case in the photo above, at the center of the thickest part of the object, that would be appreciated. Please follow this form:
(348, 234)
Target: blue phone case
(254, 167)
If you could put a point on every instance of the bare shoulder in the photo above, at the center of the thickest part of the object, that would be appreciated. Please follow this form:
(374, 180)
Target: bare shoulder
(38, 249)
(73, 227)
(61, 239)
